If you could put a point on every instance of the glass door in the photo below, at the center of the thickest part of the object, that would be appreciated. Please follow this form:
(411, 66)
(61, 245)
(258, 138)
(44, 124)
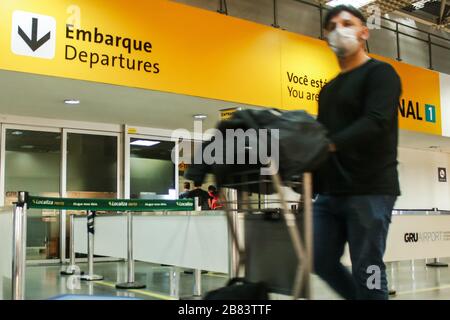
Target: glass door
(92, 165)
(149, 170)
(32, 163)
(92, 169)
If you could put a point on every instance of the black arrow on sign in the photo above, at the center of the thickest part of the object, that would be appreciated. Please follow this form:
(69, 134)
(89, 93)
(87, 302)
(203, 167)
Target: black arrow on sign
(34, 43)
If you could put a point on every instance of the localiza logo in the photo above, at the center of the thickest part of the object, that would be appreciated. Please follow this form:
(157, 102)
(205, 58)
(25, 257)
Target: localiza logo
(33, 35)
(184, 203)
(118, 203)
(43, 202)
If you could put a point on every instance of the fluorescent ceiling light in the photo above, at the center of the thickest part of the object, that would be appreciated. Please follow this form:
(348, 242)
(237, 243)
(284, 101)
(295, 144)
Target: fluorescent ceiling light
(200, 116)
(17, 133)
(72, 101)
(27, 147)
(355, 3)
(144, 143)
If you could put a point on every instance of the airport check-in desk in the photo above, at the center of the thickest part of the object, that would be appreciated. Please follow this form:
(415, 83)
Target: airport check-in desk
(416, 234)
(194, 239)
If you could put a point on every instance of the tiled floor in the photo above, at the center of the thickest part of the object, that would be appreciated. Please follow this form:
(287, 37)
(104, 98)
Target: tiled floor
(411, 280)
(161, 282)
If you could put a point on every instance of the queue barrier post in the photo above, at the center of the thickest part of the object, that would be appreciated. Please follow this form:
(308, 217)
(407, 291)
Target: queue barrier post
(197, 272)
(436, 263)
(197, 284)
(72, 268)
(235, 252)
(131, 282)
(19, 246)
(90, 231)
(174, 282)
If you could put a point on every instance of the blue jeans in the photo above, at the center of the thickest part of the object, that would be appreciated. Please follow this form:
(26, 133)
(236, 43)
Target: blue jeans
(363, 222)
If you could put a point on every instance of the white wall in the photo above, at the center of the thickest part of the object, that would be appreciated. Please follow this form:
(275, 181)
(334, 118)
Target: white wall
(6, 228)
(445, 104)
(418, 171)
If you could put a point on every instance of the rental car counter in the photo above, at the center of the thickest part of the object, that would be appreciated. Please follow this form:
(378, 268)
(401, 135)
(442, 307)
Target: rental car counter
(189, 239)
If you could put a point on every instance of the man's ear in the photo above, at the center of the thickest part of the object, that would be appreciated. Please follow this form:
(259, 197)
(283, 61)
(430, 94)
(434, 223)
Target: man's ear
(365, 34)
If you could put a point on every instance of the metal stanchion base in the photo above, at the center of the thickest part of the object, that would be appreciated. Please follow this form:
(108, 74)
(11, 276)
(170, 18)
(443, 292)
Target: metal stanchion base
(71, 270)
(192, 272)
(130, 285)
(437, 264)
(191, 298)
(91, 277)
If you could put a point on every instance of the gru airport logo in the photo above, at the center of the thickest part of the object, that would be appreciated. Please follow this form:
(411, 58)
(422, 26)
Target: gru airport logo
(33, 35)
(412, 237)
(414, 110)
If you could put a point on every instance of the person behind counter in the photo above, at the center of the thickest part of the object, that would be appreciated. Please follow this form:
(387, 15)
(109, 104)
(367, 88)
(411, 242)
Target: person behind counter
(187, 188)
(213, 200)
(199, 193)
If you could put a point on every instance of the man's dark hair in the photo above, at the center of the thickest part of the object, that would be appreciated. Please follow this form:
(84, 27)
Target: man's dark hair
(197, 184)
(333, 12)
(187, 185)
(212, 188)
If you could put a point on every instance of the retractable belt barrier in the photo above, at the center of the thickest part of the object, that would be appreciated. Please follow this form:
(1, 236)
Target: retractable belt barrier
(109, 204)
(25, 201)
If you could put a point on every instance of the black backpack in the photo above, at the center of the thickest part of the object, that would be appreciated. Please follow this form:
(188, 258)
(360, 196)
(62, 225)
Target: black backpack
(303, 147)
(239, 289)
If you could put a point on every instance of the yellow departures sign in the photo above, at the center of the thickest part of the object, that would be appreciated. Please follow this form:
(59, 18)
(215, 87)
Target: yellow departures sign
(167, 46)
(420, 105)
(158, 45)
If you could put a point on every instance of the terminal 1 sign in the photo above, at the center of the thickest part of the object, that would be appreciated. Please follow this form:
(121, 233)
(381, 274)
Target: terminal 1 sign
(167, 46)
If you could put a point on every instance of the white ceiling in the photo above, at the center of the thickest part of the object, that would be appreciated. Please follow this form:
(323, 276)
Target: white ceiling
(31, 95)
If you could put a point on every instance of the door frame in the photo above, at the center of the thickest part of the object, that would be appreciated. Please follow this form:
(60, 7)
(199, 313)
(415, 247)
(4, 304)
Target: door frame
(119, 175)
(8, 126)
(126, 168)
(63, 172)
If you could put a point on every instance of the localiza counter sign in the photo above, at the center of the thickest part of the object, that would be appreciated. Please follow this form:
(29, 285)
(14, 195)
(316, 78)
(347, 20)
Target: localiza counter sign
(34, 35)
(110, 204)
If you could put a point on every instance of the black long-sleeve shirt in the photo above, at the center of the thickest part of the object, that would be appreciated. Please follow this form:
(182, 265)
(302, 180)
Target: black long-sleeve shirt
(359, 109)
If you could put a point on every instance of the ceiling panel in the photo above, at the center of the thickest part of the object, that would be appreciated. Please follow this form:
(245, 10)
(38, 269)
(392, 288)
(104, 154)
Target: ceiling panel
(429, 10)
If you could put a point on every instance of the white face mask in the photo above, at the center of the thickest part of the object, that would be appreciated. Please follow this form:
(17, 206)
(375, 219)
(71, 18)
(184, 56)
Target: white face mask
(343, 41)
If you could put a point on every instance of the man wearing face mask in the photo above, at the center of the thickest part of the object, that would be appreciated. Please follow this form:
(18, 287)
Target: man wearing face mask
(358, 186)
